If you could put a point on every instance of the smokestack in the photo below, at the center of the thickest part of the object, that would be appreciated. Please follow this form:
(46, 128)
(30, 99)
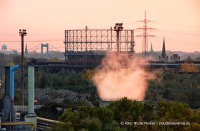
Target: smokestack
(8, 107)
(31, 90)
(12, 90)
(7, 80)
(31, 117)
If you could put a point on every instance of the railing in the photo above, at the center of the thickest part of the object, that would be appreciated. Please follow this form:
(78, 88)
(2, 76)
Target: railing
(18, 123)
(18, 108)
(45, 124)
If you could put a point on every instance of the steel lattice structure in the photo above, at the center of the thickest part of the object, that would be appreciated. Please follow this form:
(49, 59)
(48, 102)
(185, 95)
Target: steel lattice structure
(145, 35)
(89, 46)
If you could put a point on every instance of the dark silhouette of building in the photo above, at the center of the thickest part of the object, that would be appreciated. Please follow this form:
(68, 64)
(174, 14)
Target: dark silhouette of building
(163, 56)
(4, 48)
(175, 57)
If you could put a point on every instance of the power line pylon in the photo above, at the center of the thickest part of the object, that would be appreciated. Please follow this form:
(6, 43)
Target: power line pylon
(145, 35)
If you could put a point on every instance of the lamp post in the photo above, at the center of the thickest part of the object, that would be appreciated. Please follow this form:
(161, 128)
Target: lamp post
(118, 27)
(22, 33)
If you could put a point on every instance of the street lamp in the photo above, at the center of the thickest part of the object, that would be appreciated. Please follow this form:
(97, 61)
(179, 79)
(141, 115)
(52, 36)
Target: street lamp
(118, 27)
(22, 33)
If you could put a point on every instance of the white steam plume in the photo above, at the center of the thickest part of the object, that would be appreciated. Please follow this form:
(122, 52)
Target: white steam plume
(121, 75)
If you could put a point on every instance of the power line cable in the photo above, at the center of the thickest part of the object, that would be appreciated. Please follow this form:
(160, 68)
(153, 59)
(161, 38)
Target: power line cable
(34, 47)
(54, 47)
(182, 33)
(159, 37)
(36, 40)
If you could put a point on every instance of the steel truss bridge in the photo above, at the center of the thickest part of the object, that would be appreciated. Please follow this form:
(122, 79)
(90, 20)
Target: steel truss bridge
(87, 47)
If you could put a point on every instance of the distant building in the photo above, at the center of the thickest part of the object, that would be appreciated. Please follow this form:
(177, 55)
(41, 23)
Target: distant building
(163, 56)
(104, 103)
(4, 48)
(175, 57)
(188, 59)
(14, 52)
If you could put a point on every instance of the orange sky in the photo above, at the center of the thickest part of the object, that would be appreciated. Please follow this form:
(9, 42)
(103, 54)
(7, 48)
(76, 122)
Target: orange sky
(46, 20)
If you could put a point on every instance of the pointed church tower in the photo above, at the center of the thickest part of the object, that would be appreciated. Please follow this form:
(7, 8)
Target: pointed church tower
(26, 51)
(151, 50)
(163, 49)
(163, 56)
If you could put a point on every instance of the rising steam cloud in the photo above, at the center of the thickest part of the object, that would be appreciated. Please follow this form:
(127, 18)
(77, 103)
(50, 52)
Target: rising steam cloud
(121, 75)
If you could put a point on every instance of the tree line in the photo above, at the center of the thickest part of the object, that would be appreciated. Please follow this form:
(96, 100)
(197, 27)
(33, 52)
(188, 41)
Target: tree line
(124, 115)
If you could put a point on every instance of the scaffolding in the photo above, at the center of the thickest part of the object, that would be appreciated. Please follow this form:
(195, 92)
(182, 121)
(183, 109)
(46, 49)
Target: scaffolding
(89, 46)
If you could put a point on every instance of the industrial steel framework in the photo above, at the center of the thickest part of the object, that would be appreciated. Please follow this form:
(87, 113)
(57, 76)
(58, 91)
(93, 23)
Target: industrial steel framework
(89, 46)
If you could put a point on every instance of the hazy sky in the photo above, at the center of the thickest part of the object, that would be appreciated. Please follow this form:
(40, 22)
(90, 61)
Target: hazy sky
(46, 20)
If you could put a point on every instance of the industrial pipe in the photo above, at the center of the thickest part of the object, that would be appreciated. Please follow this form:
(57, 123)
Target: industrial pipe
(12, 88)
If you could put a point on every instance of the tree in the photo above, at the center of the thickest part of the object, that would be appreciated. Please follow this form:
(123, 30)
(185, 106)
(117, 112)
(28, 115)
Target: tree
(173, 111)
(42, 80)
(67, 126)
(104, 114)
(91, 124)
(189, 67)
(194, 98)
(112, 126)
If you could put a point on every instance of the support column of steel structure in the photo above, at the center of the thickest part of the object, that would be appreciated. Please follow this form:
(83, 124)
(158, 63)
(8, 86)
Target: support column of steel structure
(86, 57)
(22, 33)
(118, 27)
(111, 38)
(65, 42)
(86, 36)
(132, 41)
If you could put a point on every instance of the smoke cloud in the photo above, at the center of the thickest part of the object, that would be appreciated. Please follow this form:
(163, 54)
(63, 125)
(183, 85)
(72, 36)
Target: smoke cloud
(121, 75)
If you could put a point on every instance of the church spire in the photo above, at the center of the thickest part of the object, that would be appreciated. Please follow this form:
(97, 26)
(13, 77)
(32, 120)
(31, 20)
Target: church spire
(151, 50)
(163, 49)
(26, 51)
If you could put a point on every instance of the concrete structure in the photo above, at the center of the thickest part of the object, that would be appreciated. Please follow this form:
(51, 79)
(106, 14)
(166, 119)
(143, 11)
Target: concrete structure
(47, 52)
(7, 105)
(31, 116)
(8, 113)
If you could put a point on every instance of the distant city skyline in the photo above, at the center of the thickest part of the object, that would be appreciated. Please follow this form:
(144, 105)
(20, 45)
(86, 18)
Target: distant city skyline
(45, 21)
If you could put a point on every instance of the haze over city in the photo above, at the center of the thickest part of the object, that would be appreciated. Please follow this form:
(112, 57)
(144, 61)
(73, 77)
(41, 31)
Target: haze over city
(45, 21)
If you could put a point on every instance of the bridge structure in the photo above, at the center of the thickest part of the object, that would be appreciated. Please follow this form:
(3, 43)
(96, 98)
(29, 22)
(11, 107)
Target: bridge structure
(87, 47)
(47, 50)
(148, 64)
